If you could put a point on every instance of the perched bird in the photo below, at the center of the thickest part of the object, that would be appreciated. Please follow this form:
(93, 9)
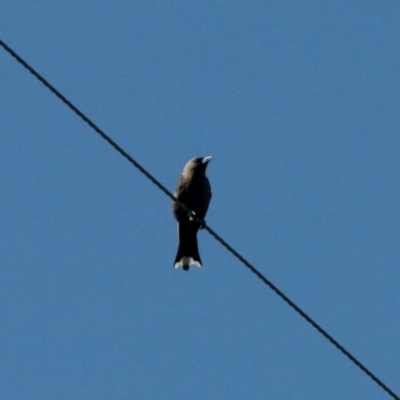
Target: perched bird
(194, 191)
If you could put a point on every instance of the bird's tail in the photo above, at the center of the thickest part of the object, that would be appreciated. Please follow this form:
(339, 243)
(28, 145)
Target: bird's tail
(188, 251)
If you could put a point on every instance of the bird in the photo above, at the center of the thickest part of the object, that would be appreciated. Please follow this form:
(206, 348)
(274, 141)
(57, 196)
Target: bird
(194, 191)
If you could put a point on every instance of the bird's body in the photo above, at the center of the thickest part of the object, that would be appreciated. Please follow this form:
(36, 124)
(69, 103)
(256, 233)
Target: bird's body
(194, 191)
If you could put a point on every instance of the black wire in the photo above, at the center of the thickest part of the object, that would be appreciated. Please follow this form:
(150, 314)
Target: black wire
(206, 227)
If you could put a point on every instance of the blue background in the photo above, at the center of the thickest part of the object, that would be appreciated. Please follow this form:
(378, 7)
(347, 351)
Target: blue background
(297, 102)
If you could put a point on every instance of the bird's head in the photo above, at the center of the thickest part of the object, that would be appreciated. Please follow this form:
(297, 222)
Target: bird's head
(197, 164)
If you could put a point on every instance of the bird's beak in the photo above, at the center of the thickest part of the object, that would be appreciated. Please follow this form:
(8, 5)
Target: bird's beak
(205, 160)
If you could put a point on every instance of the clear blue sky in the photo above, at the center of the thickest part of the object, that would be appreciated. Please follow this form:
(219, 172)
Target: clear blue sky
(297, 102)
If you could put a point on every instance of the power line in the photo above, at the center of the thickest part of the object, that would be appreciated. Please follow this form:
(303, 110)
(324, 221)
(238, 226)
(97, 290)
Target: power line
(80, 114)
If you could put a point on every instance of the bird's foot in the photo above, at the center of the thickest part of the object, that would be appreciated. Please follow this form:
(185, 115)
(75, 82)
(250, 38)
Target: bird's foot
(192, 216)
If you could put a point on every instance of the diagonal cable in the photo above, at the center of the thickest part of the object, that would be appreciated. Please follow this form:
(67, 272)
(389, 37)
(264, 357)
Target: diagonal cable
(286, 299)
